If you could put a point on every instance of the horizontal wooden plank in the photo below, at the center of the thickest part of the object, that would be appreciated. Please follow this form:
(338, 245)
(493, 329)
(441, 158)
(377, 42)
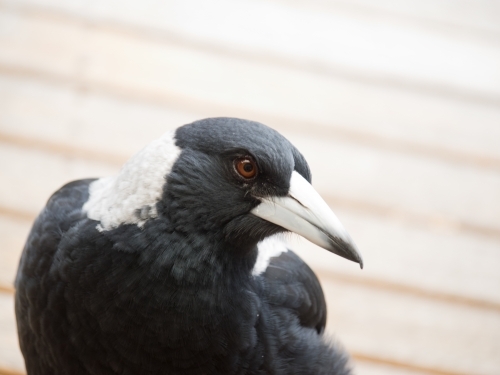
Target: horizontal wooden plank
(395, 48)
(395, 251)
(62, 114)
(411, 330)
(162, 71)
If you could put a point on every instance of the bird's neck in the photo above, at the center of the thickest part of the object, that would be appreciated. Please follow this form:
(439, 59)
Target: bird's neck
(203, 283)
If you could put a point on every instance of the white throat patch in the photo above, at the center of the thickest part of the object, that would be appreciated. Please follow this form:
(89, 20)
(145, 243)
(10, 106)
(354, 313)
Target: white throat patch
(131, 196)
(268, 248)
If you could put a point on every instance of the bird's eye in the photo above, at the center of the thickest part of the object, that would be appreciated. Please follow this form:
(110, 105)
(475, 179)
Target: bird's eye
(246, 167)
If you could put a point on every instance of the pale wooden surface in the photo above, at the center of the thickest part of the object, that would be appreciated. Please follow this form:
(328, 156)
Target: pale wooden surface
(395, 105)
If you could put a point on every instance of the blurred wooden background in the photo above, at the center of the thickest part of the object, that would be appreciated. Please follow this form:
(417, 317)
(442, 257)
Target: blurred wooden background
(395, 104)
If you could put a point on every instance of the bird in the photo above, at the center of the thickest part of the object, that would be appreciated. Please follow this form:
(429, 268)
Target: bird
(178, 265)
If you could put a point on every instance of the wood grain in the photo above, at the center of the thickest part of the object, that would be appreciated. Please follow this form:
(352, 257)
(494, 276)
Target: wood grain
(414, 118)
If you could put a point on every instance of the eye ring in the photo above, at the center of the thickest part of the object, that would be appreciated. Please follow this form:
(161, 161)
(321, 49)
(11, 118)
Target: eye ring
(246, 167)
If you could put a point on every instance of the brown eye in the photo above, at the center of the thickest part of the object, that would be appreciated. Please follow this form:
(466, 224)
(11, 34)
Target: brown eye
(246, 167)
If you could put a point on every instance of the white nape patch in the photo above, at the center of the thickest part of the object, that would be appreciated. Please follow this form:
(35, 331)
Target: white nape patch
(268, 248)
(131, 196)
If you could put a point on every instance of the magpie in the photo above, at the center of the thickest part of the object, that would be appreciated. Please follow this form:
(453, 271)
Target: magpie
(177, 264)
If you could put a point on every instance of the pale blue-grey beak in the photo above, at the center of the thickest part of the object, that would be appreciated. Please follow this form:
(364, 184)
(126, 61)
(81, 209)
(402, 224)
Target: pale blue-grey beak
(304, 212)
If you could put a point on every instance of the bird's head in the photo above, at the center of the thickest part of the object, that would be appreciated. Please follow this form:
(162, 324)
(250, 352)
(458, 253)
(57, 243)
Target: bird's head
(239, 180)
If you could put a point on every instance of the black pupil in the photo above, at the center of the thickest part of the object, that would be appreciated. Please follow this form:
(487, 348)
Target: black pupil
(248, 167)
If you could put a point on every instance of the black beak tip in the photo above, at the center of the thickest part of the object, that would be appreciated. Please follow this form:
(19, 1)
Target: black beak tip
(355, 257)
(358, 258)
(346, 250)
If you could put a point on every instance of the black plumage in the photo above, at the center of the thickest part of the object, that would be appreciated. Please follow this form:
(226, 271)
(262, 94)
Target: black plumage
(175, 285)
